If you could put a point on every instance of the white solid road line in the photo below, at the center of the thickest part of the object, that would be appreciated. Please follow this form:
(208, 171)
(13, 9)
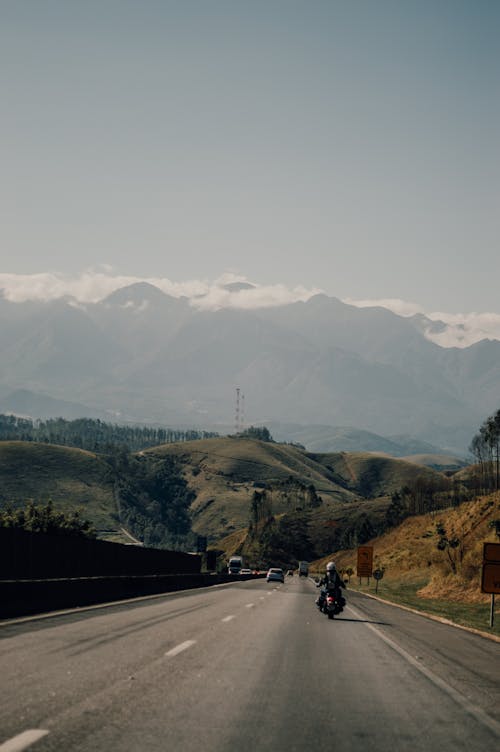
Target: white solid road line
(228, 618)
(459, 698)
(175, 651)
(23, 741)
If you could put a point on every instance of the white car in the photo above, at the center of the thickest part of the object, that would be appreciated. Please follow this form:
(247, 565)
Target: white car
(245, 571)
(275, 575)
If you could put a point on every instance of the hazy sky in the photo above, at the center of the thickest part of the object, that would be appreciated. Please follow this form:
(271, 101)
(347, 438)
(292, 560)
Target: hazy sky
(347, 145)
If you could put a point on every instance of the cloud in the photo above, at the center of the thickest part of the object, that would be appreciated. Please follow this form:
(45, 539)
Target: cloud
(445, 329)
(93, 285)
(235, 291)
(464, 329)
(400, 307)
(88, 287)
(255, 296)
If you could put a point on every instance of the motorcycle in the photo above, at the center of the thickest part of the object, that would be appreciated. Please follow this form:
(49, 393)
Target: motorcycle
(330, 603)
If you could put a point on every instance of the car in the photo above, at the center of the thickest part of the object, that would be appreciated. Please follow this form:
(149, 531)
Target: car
(245, 571)
(290, 573)
(275, 575)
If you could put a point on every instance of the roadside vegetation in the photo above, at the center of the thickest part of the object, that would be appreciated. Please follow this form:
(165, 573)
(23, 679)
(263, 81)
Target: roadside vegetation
(45, 519)
(432, 562)
(117, 492)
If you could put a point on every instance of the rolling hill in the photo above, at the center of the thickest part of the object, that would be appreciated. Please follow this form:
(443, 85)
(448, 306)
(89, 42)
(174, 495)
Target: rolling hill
(221, 476)
(71, 478)
(225, 472)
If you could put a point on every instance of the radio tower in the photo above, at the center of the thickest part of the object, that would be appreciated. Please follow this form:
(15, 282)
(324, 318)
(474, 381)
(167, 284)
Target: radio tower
(239, 420)
(237, 417)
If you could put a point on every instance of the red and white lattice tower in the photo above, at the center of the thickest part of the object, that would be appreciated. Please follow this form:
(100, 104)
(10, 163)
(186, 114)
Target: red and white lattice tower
(237, 416)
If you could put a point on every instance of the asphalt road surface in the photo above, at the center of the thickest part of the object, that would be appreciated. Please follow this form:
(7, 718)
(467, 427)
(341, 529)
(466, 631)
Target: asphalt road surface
(250, 666)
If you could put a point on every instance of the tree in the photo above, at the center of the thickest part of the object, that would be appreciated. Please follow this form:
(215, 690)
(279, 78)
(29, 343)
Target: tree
(485, 446)
(45, 519)
(495, 525)
(396, 511)
(261, 507)
(452, 546)
(260, 433)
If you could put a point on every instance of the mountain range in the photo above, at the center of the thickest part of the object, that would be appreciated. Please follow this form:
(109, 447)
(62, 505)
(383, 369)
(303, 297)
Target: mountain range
(141, 355)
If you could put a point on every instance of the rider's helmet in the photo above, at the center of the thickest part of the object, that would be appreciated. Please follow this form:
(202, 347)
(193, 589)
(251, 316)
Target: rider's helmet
(330, 567)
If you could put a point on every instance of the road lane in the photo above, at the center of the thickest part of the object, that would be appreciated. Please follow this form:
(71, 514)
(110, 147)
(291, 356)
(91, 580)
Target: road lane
(53, 663)
(469, 663)
(277, 676)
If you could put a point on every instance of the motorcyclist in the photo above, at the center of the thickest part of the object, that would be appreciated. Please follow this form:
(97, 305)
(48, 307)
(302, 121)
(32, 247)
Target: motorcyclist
(330, 581)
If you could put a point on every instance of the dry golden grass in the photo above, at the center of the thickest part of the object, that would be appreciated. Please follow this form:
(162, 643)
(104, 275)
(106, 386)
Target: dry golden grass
(409, 553)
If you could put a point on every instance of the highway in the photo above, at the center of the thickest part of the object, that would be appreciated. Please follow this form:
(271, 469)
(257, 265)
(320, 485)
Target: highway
(245, 667)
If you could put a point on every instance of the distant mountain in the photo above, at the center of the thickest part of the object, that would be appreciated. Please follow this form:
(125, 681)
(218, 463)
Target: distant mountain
(28, 404)
(322, 362)
(317, 438)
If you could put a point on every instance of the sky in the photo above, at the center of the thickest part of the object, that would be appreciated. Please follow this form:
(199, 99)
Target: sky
(347, 146)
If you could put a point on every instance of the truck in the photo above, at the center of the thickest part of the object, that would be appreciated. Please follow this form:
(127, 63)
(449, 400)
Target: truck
(303, 569)
(235, 565)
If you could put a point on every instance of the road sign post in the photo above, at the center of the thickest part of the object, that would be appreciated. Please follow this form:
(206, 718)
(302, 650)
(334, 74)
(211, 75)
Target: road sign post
(365, 562)
(378, 574)
(490, 578)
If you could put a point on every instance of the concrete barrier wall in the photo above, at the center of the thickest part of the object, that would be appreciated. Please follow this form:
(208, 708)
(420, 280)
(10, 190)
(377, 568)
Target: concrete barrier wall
(25, 597)
(25, 555)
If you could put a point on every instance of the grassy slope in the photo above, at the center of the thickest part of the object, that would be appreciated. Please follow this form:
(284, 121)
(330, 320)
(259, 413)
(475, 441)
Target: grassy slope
(418, 574)
(442, 462)
(72, 478)
(370, 475)
(222, 473)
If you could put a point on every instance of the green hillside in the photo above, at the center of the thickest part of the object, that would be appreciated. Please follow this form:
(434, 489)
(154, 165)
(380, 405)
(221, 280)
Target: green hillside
(72, 478)
(441, 462)
(224, 473)
(214, 481)
(370, 475)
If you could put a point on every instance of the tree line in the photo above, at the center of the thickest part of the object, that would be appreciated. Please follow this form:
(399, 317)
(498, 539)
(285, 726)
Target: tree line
(43, 518)
(485, 446)
(92, 434)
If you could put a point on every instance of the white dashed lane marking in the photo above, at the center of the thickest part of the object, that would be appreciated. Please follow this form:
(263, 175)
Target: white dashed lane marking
(228, 618)
(23, 741)
(175, 651)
